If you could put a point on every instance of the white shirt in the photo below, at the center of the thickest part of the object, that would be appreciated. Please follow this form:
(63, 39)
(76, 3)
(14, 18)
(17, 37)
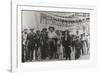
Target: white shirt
(52, 35)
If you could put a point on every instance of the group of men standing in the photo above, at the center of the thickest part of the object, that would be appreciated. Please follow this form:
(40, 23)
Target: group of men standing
(51, 44)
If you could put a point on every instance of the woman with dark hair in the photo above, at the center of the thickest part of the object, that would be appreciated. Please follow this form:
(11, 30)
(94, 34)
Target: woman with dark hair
(67, 44)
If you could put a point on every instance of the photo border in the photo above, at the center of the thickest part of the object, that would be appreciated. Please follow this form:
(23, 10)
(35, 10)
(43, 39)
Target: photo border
(17, 66)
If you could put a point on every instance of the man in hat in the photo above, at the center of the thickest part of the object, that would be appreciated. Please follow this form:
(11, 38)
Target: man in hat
(52, 38)
(31, 44)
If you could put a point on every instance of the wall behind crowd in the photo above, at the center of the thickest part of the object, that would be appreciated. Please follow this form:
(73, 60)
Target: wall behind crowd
(29, 19)
(32, 19)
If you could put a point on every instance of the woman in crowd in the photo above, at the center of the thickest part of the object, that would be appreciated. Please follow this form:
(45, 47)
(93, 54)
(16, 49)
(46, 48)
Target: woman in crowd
(67, 45)
(59, 45)
(24, 46)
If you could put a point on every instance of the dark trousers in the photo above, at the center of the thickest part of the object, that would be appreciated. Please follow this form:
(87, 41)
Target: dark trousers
(68, 52)
(36, 53)
(77, 52)
(52, 47)
(44, 50)
(30, 52)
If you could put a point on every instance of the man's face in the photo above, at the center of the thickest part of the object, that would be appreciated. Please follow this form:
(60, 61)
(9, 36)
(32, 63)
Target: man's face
(38, 32)
(66, 33)
(25, 32)
(77, 32)
(31, 30)
(51, 29)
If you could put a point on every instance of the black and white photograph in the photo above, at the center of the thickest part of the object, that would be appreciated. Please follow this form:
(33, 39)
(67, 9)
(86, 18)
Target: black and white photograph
(55, 36)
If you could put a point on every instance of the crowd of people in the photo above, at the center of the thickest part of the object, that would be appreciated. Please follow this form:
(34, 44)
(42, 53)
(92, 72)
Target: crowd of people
(52, 44)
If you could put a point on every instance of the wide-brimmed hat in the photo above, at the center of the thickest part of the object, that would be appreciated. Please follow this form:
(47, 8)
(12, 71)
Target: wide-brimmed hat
(51, 27)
